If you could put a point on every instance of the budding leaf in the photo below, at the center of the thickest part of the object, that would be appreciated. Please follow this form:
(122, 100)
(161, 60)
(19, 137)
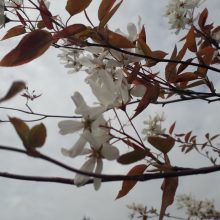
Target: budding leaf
(128, 185)
(15, 88)
(32, 45)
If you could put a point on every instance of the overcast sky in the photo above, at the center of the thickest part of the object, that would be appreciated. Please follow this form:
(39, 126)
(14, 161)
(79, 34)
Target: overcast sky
(43, 201)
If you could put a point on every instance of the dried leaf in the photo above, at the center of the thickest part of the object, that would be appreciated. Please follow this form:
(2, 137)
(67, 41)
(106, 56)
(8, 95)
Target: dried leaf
(169, 187)
(76, 6)
(15, 88)
(128, 185)
(15, 31)
(32, 45)
(162, 143)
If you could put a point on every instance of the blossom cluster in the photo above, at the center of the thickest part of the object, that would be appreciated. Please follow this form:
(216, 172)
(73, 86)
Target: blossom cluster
(109, 84)
(180, 13)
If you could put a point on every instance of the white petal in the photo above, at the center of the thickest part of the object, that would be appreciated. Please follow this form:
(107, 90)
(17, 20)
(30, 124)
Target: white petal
(132, 31)
(69, 126)
(89, 137)
(77, 149)
(98, 170)
(79, 100)
(88, 166)
(138, 90)
(110, 152)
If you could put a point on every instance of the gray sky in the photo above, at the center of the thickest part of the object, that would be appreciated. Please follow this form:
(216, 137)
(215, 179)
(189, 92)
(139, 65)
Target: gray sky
(44, 201)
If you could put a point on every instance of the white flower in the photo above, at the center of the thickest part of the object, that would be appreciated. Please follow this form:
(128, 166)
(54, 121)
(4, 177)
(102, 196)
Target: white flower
(99, 149)
(154, 126)
(70, 59)
(180, 13)
(92, 119)
(111, 91)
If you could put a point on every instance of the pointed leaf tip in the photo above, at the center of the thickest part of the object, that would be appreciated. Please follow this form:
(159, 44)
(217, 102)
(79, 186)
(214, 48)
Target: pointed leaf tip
(32, 45)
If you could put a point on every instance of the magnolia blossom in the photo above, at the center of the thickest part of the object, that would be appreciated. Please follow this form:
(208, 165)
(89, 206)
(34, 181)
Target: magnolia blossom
(180, 13)
(100, 149)
(92, 119)
(154, 126)
(110, 90)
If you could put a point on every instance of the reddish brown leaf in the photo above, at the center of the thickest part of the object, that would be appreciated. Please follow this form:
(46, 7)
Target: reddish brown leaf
(145, 48)
(133, 145)
(37, 136)
(187, 136)
(170, 70)
(46, 15)
(15, 88)
(112, 38)
(158, 54)
(128, 185)
(142, 34)
(162, 143)
(151, 95)
(15, 31)
(22, 20)
(202, 18)
(104, 8)
(169, 187)
(32, 45)
(183, 66)
(185, 77)
(21, 128)
(109, 15)
(191, 40)
(197, 83)
(70, 31)
(214, 137)
(172, 128)
(76, 6)
(131, 157)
